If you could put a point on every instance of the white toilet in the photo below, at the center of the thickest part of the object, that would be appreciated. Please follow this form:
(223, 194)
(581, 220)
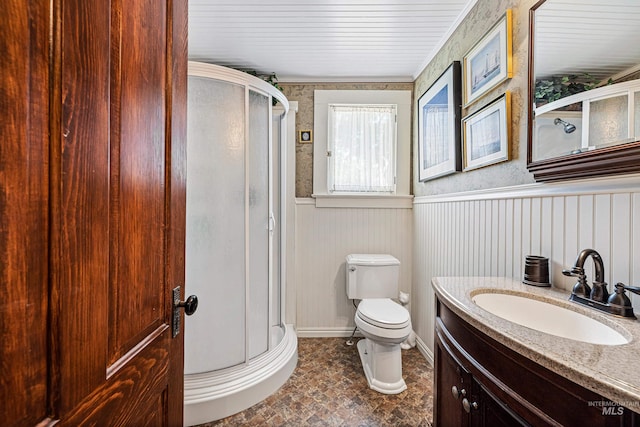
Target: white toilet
(373, 279)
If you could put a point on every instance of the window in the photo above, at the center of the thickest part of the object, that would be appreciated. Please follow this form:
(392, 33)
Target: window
(361, 148)
(382, 180)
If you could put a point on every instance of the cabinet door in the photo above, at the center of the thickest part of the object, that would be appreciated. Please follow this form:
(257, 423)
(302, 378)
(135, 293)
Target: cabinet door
(452, 385)
(488, 411)
(460, 400)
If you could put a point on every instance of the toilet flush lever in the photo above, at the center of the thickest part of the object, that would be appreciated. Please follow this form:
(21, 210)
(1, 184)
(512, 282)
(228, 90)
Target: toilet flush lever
(190, 306)
(353, 268)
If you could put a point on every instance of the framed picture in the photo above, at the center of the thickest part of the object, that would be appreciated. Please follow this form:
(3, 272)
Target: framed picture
(488, 63)
(439, 112)
(305, 137)
(486, 134)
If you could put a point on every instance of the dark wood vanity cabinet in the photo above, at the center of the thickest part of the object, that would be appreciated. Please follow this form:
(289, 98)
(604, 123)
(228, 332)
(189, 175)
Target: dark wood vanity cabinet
(481, 382)
(462, 400)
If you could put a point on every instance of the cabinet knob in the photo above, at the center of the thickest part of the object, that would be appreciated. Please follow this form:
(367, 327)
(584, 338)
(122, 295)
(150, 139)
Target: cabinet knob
(457, 393)
(468, 406)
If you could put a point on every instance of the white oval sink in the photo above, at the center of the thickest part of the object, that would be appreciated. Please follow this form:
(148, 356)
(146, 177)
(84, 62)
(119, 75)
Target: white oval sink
(548, 318)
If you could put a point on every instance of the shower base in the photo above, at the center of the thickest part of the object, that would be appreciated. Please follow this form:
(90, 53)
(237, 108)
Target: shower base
(210, 396)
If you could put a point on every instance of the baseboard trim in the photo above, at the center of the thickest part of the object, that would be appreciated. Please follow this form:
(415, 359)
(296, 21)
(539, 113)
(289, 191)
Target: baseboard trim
(426, 352)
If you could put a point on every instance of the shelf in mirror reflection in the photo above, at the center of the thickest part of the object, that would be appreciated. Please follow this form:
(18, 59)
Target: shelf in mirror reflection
(591, 120)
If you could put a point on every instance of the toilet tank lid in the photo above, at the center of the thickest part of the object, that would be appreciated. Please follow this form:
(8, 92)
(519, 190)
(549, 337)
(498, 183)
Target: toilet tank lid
(372, 259)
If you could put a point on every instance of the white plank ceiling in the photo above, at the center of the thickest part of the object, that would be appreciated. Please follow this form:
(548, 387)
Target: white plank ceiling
(323, 40)
(587, 36)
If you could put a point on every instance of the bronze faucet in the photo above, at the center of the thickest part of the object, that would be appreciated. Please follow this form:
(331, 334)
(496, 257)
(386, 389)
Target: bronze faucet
(599, 292)
(598, 297)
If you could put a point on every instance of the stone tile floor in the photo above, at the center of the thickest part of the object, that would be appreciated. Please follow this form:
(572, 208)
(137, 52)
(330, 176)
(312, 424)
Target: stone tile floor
(328, 388)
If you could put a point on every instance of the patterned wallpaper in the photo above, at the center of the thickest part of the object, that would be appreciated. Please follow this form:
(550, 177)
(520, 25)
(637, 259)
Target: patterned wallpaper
(479, 20)
(303, 93)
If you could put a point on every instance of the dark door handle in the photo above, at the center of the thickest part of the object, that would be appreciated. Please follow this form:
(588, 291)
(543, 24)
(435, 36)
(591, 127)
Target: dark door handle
(190, 305)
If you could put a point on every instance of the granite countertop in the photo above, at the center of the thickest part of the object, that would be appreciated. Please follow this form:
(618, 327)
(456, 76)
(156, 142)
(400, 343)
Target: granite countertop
(609, 370)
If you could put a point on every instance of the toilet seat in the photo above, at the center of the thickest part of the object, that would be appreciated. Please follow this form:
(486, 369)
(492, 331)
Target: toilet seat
(383, 320)
(384, 313)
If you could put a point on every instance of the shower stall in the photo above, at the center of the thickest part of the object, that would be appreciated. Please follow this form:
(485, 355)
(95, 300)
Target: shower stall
(238, 349)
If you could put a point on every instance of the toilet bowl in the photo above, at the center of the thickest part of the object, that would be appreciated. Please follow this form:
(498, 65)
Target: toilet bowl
(384, 325)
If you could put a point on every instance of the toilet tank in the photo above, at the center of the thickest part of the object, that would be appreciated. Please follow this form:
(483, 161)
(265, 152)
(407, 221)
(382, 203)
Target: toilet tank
(372, 276)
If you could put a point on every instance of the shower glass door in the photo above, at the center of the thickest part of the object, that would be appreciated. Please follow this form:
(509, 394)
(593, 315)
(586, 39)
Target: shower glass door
(229, 220)
(215, 250)
(259, 223)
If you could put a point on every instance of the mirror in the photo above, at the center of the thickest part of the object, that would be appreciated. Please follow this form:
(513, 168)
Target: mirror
(584, 88)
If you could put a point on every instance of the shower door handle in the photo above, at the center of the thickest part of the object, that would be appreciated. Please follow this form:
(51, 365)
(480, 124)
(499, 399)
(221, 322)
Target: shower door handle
(190, 306)
(272, 222)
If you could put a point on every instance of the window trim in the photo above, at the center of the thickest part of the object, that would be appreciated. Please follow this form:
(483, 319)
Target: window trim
(322, 99)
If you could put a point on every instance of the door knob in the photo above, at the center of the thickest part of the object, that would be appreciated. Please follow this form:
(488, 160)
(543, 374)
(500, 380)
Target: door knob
(468, 406)
(190, 305)
(457, 393)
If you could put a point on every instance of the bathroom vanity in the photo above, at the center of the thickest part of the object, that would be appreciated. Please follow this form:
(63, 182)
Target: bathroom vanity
(493, 372)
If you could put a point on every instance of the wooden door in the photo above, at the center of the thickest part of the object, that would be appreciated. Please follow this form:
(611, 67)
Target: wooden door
(24, 142)
(92, 206)
(118, 205)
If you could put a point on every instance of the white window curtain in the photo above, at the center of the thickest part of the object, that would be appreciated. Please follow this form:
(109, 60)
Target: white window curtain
(362, 148)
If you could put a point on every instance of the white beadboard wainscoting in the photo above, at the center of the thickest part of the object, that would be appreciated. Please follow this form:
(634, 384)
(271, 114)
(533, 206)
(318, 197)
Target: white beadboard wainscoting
(323, 239)
(489, 233)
